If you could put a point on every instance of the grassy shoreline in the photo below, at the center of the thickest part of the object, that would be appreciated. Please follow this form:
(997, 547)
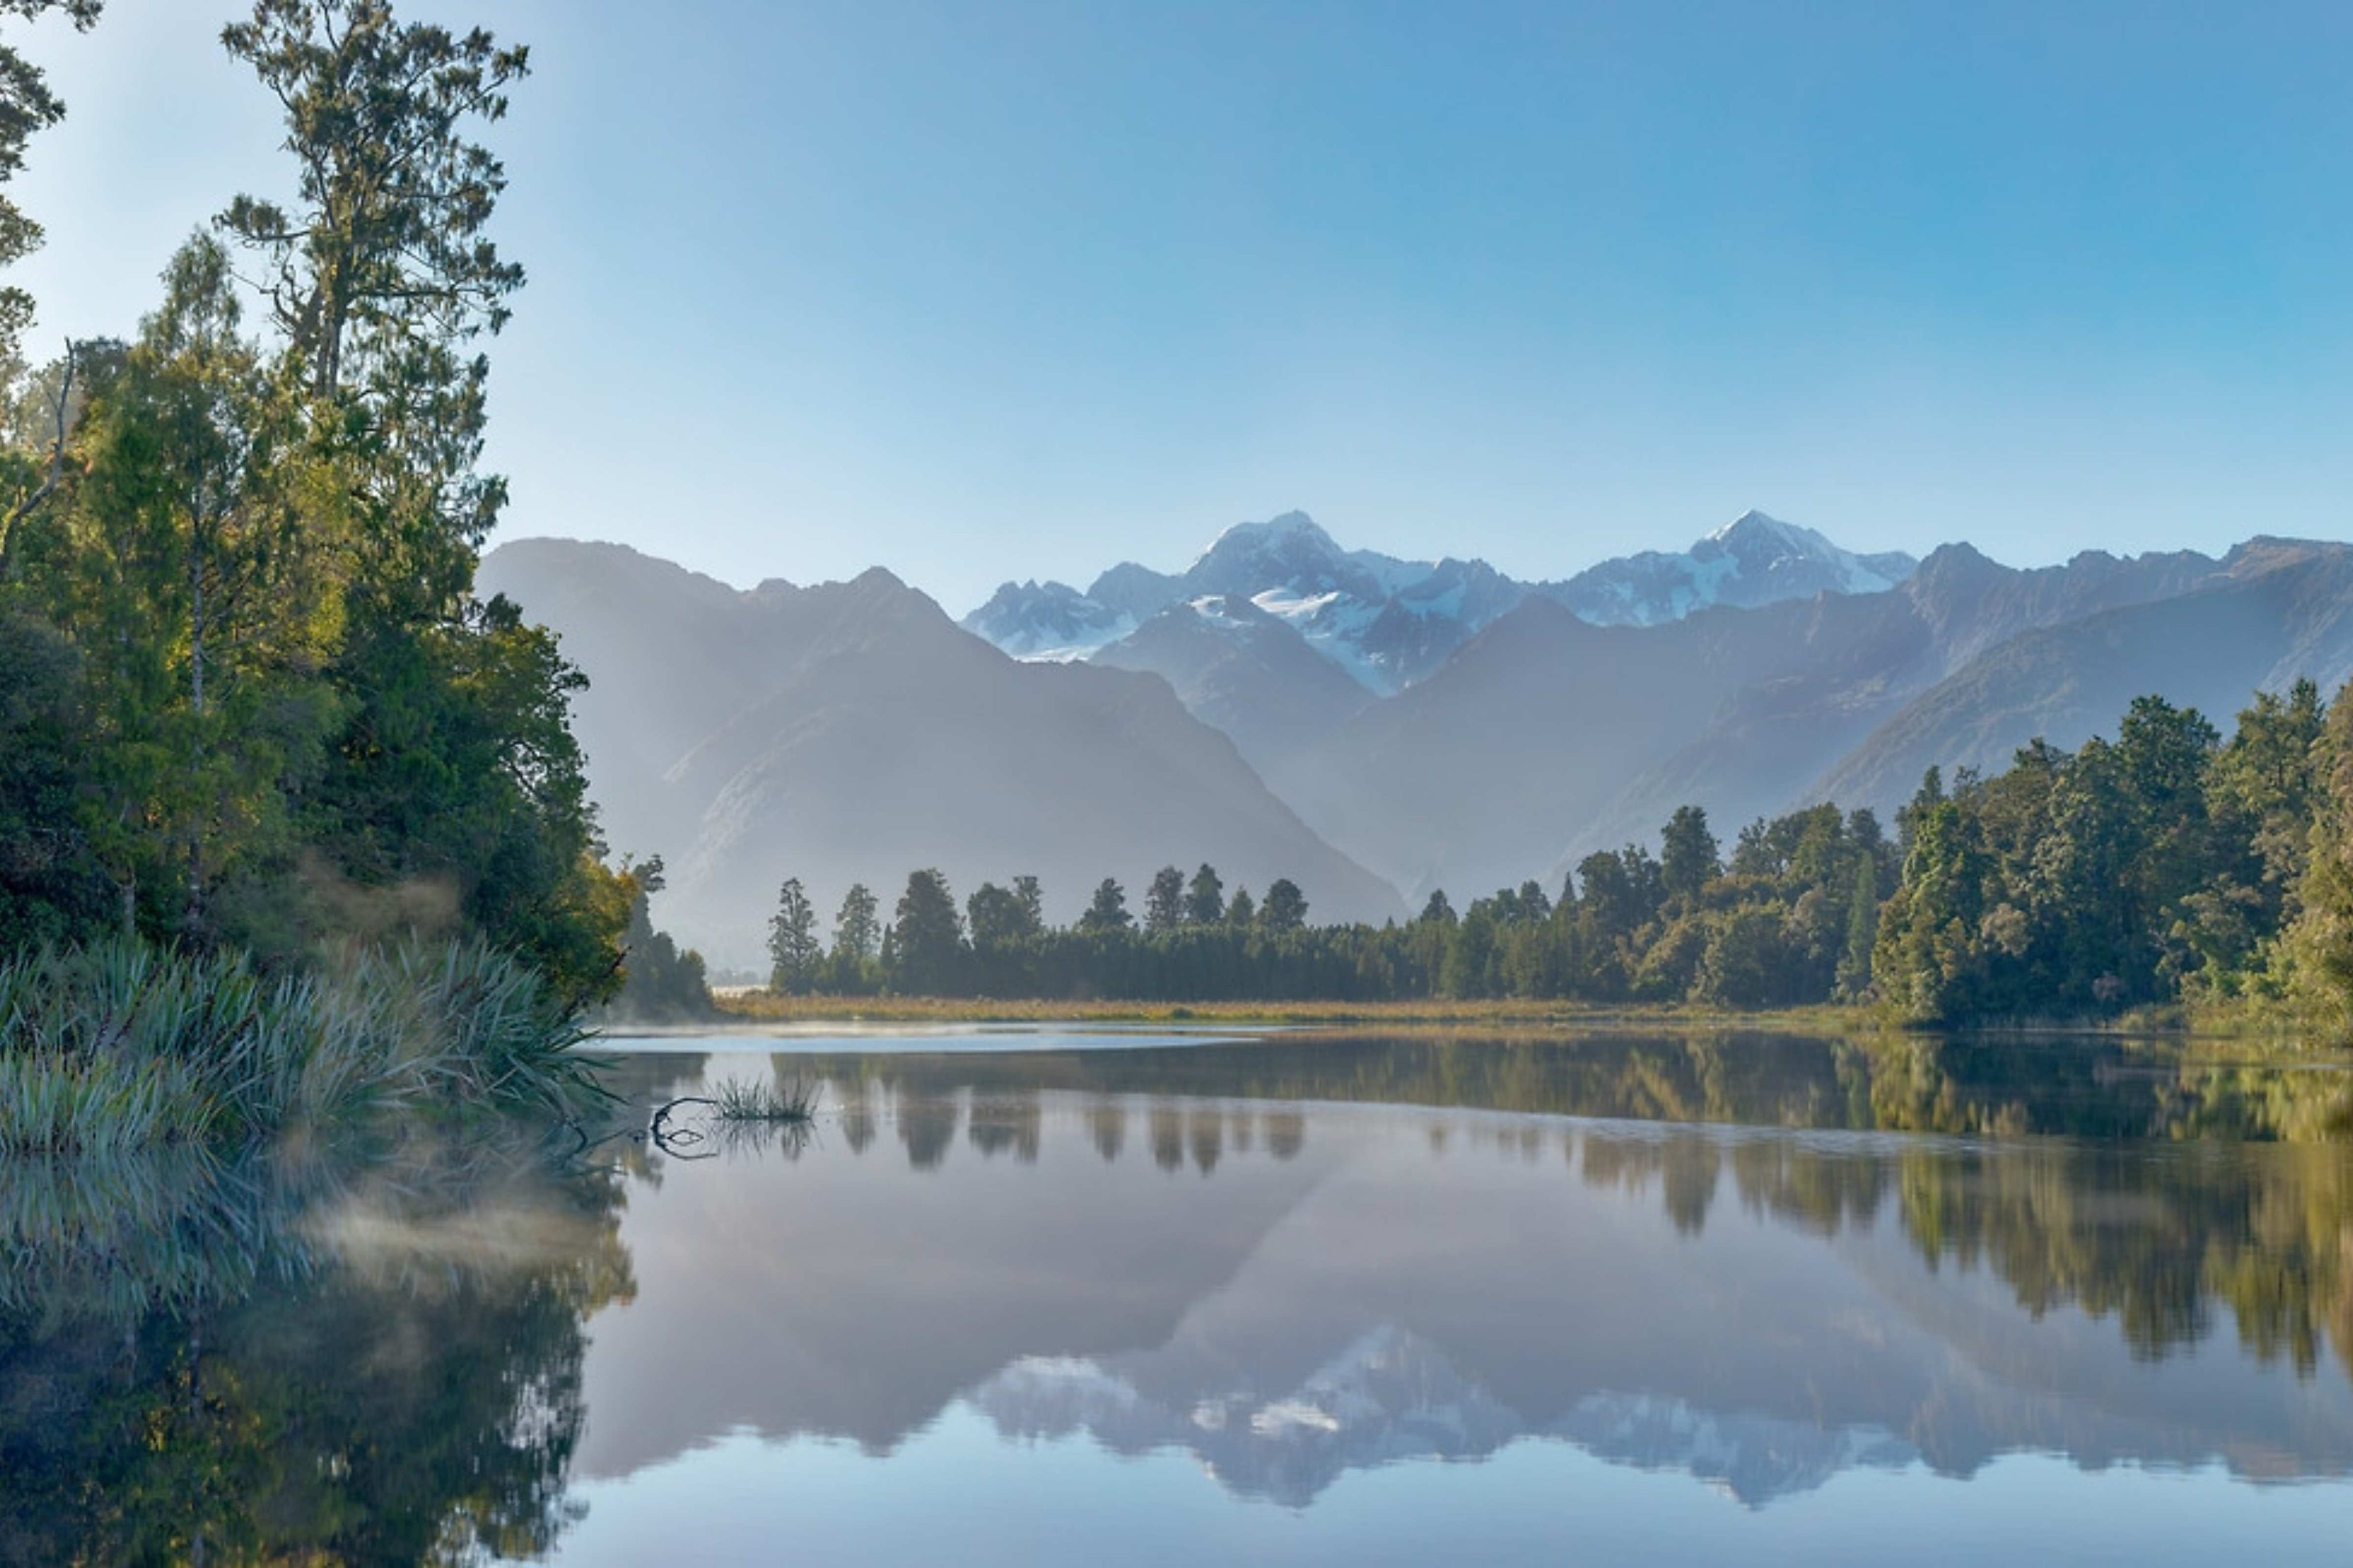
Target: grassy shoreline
(752, 1007)
(121, 1045)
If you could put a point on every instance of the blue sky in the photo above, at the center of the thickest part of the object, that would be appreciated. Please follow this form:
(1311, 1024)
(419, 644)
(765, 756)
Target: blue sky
(1021, 289)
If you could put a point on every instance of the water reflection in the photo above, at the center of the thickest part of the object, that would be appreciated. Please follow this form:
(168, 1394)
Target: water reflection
(1355, 1285)
(289, 1358)
(1763, 1262)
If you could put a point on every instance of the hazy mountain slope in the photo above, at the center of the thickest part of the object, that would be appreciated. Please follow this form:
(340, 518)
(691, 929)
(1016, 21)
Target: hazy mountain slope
(1546, 738)
(2277, 610)
(1859, 659)
(668, 658)
(1244, 672)
(1478, 774)
(859, 735)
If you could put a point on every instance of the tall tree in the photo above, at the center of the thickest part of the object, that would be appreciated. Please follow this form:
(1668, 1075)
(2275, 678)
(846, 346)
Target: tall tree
(1107, 911)
(1286, 908)
(1687, 854)
(382, 273)
(1164, 902)
(794, 951)
(455, 758)
(927, 937)
(1205, 897)
(2320, 944)
(186, 537)
(996, 918)
(856, 928)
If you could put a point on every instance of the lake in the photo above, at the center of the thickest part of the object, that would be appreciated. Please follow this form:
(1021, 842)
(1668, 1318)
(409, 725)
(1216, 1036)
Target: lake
(1312, 1296)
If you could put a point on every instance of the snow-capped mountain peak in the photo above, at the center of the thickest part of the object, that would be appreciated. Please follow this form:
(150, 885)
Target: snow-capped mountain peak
(1756, 558)
(1047, 621)
(1387, 622)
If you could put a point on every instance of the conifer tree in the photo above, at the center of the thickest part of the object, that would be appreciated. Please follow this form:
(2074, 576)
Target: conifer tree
(927, 937)
(1107, 911)
(794, 951)
(1164, 902)
(1205, 898)
(1286, 907)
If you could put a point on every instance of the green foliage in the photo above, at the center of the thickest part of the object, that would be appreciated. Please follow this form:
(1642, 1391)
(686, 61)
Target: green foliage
(852, 968)
(759, 1100)
(2165, 866)
(250, 699)
(1107, 911)
(2154, 868)
(1688, 861)
(1164, 902)
(51, 888)
(1205, 897)
(794, 951)
(927, 937)
(121, 1045)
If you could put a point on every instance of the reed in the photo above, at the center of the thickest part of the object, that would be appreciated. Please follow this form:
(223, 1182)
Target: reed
(740, 1099)
(119, 1045)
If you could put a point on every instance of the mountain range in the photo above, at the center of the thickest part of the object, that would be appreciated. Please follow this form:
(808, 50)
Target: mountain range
(850, 732)
(1373, 728)
(1386, 622)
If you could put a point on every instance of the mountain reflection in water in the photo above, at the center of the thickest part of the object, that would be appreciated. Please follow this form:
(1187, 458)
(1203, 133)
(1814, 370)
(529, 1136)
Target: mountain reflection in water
(1763, 1262)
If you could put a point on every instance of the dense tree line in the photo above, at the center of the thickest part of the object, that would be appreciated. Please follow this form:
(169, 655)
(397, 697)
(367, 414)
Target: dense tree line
(248, 697)
(2166, 865)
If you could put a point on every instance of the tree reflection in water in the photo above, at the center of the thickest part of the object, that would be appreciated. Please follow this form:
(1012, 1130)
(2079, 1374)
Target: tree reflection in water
(302, 1358)
(284, 1360)
(2067, 1206)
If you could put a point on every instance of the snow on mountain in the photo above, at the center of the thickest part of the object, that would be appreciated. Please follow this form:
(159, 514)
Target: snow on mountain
(1048, 621)
(1387, 622)
(1391, 1396)
(1753, 560)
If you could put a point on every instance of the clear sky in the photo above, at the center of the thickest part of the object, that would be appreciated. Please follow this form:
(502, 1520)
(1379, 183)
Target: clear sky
(1015, 288)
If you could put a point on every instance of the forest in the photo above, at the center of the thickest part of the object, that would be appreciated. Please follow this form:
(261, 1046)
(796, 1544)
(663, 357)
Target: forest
(253, 712)
(2167, 866)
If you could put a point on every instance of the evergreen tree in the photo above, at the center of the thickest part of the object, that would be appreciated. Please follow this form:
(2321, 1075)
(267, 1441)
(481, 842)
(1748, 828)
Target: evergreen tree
(1241, 911)
(1205, 898)
(998, 918)
(1032, 899)
(857, 929)
(854, 966)
(1687, 854)
(1108, 909)
(1286, 907)
(1164, 902)
(794, 951)
(926, 938)
(454, 758)
(1861, 927)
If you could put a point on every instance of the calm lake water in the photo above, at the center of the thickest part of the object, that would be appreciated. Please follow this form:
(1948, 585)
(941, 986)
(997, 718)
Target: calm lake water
(1311, 1296)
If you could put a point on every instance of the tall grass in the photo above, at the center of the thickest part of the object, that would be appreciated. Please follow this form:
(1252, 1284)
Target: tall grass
(119, 1045)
